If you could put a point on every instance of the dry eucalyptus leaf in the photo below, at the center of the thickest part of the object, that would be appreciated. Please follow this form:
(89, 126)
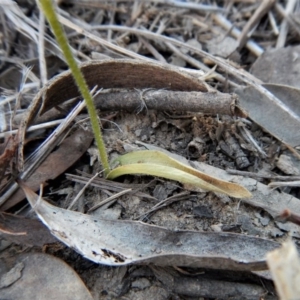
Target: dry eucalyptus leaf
(280, 69)
(289, 95)
(24, 231)
(45, 277)
(280, 66)
(284, 264)
(157, 163)
(280, 120)
(118, 243)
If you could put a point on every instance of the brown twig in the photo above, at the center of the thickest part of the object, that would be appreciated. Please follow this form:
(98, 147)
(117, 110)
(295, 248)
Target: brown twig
(210, 102)
(287, 215)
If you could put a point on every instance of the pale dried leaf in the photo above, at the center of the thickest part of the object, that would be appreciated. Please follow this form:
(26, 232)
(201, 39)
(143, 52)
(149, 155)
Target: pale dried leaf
(280, 66)
(44, 277)
(284, 264)
(267, 113)
(117, 243)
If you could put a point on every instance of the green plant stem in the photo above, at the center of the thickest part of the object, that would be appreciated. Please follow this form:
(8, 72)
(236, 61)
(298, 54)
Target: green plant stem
(48, 9)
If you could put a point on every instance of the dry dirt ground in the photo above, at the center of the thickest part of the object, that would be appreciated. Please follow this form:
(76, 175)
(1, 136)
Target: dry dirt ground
(221, 46)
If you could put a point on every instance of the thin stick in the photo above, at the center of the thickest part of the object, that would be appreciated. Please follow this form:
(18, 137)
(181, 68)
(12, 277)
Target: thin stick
(178, 197)
(273, 23)
(284, 184)
(287, 215)
(109, 199)
(288, 18)
(284, 25)
(98, 39)
(251, 45)
(41, 49)
(152, 50)
(262, 176)
(34, 127)
(82, 190)
(192, 61)
(164, 100)
(248, 137)
(190, 5)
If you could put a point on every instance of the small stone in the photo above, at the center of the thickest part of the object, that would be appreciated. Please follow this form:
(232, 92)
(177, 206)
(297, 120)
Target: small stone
(216, 227)
(138, 132)
(4, 244)
(177, 61)
(12, 276)
(275, 232)
(291, 228)
(194, 43)
(113, 213)
(144, 138)
(263, 220)
(246, 224)
(287, 165)
(140, 283)
(224, 198)
(203, 211)
(222, 46)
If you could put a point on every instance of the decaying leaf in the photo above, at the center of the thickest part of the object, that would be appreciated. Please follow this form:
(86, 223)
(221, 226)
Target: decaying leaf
(284, 264)
(24, 231)
(7, 155)
(157, 163)
(43, 276)
(279, 66)
(118, 243)
(70, 150)
(11, 276)
(266, 112)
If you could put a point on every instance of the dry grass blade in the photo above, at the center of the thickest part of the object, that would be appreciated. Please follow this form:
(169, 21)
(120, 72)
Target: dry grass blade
(250, 44)
(284, 25)
(259, 13)
(39, 155)
(190, 5)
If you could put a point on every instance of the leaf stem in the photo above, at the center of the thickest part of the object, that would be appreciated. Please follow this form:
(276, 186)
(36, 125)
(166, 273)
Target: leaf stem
(48, 9)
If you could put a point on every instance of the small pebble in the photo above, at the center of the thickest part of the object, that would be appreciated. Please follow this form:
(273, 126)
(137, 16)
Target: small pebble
(140, 283)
